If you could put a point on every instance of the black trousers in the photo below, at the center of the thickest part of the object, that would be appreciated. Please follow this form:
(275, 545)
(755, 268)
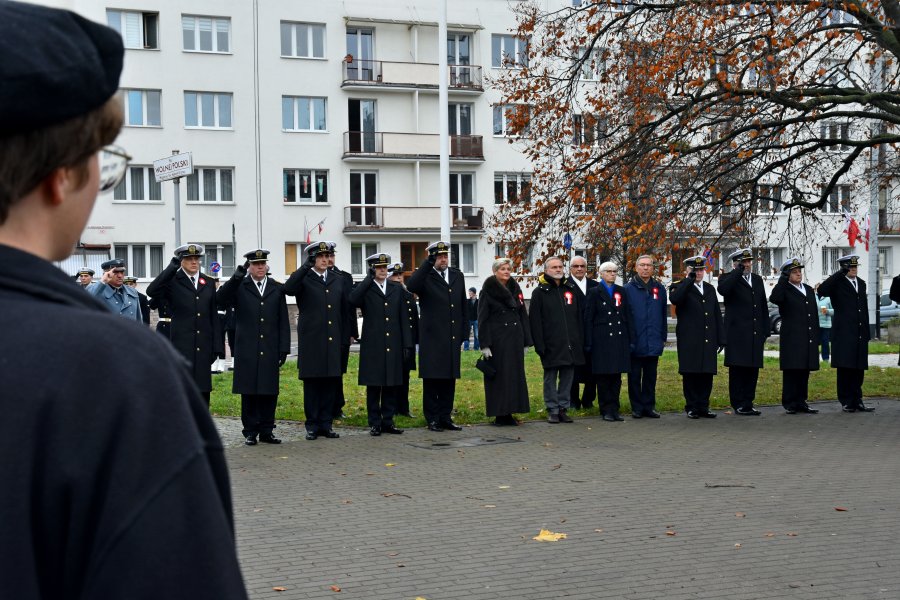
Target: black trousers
(381, 404)
(794, 388)
(742, 386)
(849, 386)
(319, 398)
(258, 413)
(642, 384)
(403, 395)
(205, 396)
(437, 399)
(697, 388)
(608, 388)
(229, 335)
(340, 402)
(584, 375)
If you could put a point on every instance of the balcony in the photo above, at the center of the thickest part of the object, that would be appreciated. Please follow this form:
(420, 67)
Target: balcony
(410, 219)
(403, 76)
(888, 222)
(380, 145)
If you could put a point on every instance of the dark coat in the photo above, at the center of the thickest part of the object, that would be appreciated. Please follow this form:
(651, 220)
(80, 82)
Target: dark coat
(442, 322)
(354, 325)
(145, 308)
(583, 372)
(503, 327)
(386, 332)
(746, 319)
(412, 311)
(323, 324)
(472, 309)
(112, 482)
(699, 329)
(647, 313)
(262, 332)
(606, 330)
(798, 342)
(195, 329)
(162, 312)
(850, 323)
(557, 329)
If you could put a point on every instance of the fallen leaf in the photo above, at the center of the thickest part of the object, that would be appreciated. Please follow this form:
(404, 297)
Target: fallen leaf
(257, 510)
(840, 509)
(400, 565)
(555, 467)
(728, 412)
(393, 554)
(420, 598)
(548, 536)
(503, 487)
(563, 520)
(282, 457)
(346, 501)
(740, 515)
(792, 533)
(670, 532)
(390, 464)
(490, 506)
(770, 535)
(737, 545)
(279, 589)
(335, 588)
(599, 530)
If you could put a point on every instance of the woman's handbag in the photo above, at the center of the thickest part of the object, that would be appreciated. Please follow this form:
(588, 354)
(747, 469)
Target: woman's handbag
(484, 365)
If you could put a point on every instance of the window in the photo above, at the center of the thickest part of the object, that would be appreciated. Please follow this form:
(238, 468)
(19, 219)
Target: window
(885, 266)
(510, 119)
(219, 253)
(302, 40)
(139, 30)
(302, 113)
(305, 185)
(462, 195)
(358, 254)
(594, 66)
(139, 184)
(588, 129)
(838, 199)
(206, 34)
(141, 260)
(512, 187)
(508, 51)
(463, 254)
(768, 199)
(768, 261)
(830, 256)
(835, 131)
(363, 197)
(460, 116)
(207, 109)
(141, 107)
(210, 185)
(503, 250)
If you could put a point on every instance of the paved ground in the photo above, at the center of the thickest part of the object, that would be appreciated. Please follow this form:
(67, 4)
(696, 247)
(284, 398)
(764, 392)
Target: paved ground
(735, 507)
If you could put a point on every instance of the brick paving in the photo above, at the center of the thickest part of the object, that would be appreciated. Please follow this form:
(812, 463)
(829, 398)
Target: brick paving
(750, 504)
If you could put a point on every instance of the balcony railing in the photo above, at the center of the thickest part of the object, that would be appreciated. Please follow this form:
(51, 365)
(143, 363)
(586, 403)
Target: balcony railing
(888, 222)
(408, 74)
(398, 145)
(367, 217)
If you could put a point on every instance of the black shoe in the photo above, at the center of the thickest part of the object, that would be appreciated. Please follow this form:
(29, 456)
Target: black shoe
(433, 426)
(747, 412)
(651, 414)
(863, 408)
(408, 415)
(268, 438)
(848, 409)
(809, 410)
(564, 417)
(708, 415)
(311, 435)
(332, 435)
(612, 418)
(693, 415)
(391, 429)
(375, 431)
(637, 415)
(792, 411)
(451, 426)
(250, 440)
(340, 416)
(553, 418)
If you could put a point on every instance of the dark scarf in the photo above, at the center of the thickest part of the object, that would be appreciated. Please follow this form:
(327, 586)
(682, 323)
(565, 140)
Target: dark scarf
(505, 295)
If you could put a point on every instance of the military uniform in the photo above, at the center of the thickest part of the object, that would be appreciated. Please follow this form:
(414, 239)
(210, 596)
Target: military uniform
(700, 333)
(264, 333)
(84, 277)
(850, 333)
(798, 341)
(323, 328)
(143, 300)
(338, 410)
(442, 325)
(746, 329)
(122, 300)
(164, 317)
(386, 341)
(194, 330)
(409, 360)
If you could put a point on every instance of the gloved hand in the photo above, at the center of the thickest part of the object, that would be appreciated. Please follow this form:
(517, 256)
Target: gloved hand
(241, 271)
(692, 275)
(719, 351)
(175, 261)
(432, 258)
(845, 269)
(741, 268)
(310, 262)
(282, 359)
(486, 353)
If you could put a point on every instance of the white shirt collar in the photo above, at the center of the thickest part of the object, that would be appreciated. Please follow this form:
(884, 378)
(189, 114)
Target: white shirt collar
(581, 283)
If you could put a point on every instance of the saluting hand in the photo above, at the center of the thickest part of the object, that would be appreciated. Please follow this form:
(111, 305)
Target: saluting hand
(692, 275)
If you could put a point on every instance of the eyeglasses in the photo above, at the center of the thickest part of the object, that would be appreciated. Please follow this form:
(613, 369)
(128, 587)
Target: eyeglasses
(113, 164)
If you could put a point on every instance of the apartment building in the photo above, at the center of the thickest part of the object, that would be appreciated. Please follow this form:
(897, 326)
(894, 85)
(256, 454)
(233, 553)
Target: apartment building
(320, 120)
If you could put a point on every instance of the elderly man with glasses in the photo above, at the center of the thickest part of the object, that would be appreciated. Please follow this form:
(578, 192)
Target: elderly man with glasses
(582, 285)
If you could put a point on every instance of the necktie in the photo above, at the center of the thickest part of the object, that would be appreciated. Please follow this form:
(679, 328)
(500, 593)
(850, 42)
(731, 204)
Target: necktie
(747, 278)
(193, 282)
(855, 289)
(444, 275)
(259, 285)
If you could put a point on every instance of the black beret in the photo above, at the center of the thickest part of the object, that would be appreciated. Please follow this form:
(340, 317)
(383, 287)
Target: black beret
(55, 66)
(116, 263)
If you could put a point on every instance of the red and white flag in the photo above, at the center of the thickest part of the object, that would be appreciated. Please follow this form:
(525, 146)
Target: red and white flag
(851, 228)
(866, 233)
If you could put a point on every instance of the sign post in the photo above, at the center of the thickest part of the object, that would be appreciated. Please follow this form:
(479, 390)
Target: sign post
(174, 167)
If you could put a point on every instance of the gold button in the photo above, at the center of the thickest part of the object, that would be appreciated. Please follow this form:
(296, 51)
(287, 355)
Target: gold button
(197, 298)
(329, 339)
(198, 314)
(198, 331)
(388, 334)
(387, 350)
(329, 322)
(260, 353)
(198, 349)
(261, 336)
(385, 303)
(327, 291)
(329, 306)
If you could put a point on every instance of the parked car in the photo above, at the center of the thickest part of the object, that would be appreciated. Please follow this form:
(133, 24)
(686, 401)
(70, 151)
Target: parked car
(774, 319)
(889, 309)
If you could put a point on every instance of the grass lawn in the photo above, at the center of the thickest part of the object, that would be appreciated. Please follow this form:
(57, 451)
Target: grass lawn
(470, 390)
(875, 347)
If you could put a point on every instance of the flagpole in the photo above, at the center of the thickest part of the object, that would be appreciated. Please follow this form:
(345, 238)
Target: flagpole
(443, 122)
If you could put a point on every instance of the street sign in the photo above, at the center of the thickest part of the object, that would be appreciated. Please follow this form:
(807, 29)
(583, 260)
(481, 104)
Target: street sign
(215, 267)
(173, 167)
(567, 242)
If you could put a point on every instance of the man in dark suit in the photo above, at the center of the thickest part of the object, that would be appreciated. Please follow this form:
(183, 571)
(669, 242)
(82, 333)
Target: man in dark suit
(142, 299)
(191, 299)
(746, 329)
(442, 297)
(338, 410)
(849, 331)
(583, 285)
(261, 324)
(323, 328)
(700, 334)
(409, 362)
(798, 342)
(386, 342)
